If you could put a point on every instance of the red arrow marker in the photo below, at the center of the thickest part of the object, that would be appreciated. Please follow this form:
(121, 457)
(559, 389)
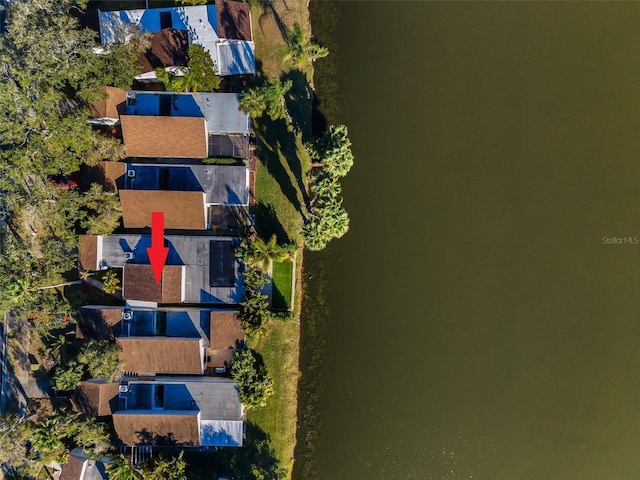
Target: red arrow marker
(158, 252)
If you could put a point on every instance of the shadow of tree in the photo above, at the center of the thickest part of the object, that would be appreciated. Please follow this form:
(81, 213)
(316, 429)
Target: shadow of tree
(299, 101)
(269, 9)
(268, 224)
(255, 459)
(276, 141)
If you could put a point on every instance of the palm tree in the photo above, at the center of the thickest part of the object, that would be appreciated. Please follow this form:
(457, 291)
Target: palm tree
(121, 469)
(302, 49)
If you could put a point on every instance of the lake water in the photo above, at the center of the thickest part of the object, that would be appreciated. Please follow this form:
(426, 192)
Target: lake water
(474, 324)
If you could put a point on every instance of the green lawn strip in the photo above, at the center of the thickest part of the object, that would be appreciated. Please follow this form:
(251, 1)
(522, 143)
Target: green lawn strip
(282, 279)
(278, 346)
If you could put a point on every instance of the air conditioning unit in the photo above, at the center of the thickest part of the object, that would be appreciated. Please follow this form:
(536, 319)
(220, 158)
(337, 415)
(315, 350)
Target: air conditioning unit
(131, 173)
(124, 388)
(131, 98)
(129, 255)
(127, 315)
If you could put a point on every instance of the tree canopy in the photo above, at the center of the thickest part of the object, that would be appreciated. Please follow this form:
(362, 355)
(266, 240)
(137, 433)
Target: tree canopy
(200, 75)
(333, 159)
(252, 378)
(265, 100)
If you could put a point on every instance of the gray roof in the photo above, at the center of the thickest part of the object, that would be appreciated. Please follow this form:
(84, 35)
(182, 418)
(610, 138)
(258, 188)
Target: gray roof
(222, 184)
(221, 413)
(212, 273)
(222, 113)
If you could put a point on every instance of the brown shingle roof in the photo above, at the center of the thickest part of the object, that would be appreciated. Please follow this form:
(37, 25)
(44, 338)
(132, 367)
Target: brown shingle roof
(96, 398)
(157, 429)
(88, 252)
(108, 108)
(225, 333)
(99, 323)
(182, 210)
(140, 284)
(108, 174)
(72, 469)
(169, 48)
(234, 20)
(164, 136)
(161, 355)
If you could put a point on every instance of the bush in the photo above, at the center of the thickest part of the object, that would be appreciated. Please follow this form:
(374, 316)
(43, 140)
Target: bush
(252, 378)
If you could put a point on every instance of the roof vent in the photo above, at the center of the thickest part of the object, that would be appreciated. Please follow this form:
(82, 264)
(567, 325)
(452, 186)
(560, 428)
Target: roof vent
(131, 173)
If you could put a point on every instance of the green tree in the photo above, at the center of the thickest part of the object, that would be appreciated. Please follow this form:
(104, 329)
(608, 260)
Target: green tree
(51, 434)
(330, 221)
(111, 282)
(101, 359)
(255, 384)
(93, 437)
(68, 377)
(15, 431)
(333, 150)
(265, 100)
(165, 467)
(302, 49)
(255, 252)
(104, 211)
(122, 469)
(199, 76)
(254, 309)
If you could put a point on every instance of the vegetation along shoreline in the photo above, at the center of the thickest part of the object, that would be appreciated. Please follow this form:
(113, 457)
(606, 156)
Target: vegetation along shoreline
(114, 112)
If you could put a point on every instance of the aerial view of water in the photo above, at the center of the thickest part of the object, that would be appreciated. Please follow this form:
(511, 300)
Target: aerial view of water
(481, 319)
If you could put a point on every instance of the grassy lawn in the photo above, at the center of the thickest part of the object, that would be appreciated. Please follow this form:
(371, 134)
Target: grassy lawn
(278, 346)
(280, 208)
(282, 288)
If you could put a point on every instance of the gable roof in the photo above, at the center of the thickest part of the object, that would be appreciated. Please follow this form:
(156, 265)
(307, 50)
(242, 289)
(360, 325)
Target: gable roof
(96, 397)
(161, 355)
(168, 48)
(225, 332)
(88, 252)
(139, 283)
(108, 174)
(164, 136)
(222, 184)
(72, 469)
(212, 272)
(182, 210)
(203, 27)
(99, 323)
(234, 20)
(108, 108)
(166, 428)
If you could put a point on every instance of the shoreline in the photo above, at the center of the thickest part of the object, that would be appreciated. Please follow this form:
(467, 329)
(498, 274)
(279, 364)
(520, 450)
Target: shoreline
(283, 189)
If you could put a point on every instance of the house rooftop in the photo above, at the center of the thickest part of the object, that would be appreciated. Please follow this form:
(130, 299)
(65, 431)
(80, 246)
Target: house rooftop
(221, 184)
(164, 136)
(220, 110)
(214, 402)
(108, 107)
(80, 466)
(234, 20)
(96, 397)
(139, 283)
(108, 174)
(182, 210)
(212, 273)
(169, 48)
(162, 355)
(99, 323)
(162, 428)
(225, 333)
(201, 23)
